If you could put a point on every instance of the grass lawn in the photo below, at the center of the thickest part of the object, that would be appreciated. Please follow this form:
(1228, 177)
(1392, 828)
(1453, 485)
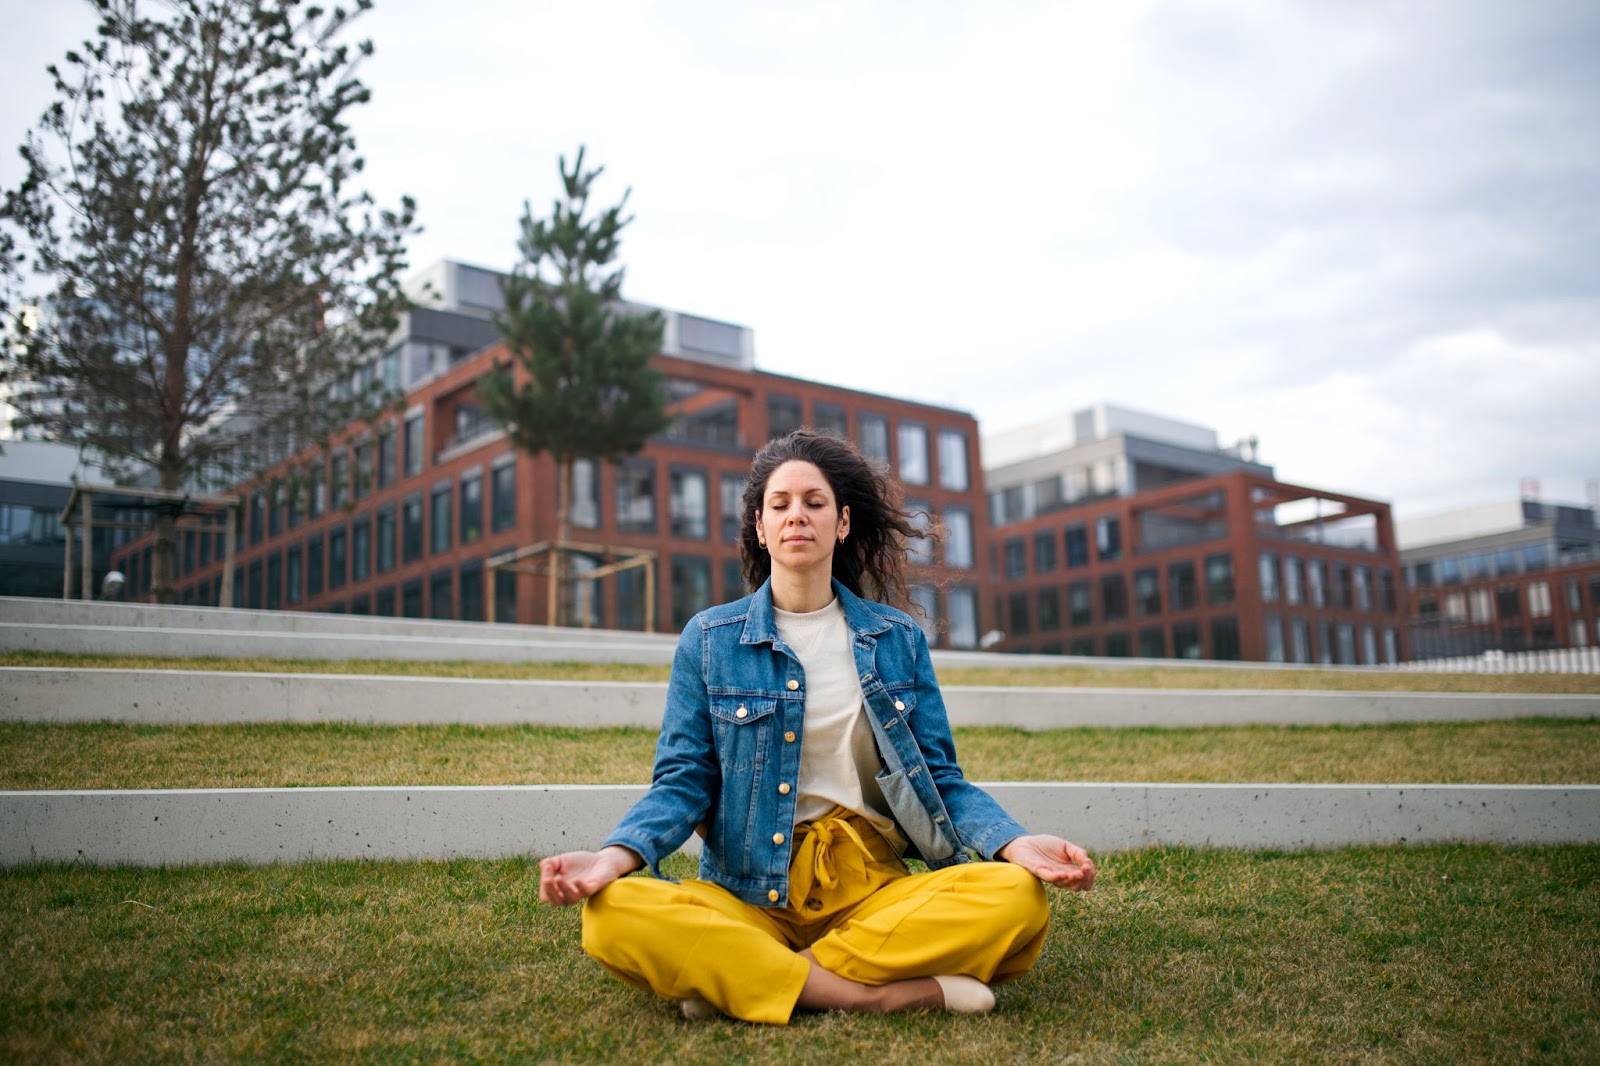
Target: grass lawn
(1470, 954)
(107, 755)
(1174, 676)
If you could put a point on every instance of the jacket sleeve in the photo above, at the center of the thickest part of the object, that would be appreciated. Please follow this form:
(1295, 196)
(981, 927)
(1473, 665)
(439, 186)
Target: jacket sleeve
(980, 822)
(687, 778)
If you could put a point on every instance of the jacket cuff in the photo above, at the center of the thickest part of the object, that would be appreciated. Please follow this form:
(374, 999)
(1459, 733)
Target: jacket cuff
(996, 837)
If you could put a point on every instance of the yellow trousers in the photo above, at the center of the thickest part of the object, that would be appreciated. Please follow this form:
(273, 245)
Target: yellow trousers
(852, 901)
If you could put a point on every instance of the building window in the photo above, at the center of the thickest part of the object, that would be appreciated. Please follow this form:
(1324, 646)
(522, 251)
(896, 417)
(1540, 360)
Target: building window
(472, 591)
(411, 599)
(1044, 551)
(384, 602)
(338, 568)
(1293, 584)
(962, 604)
(1152, 643)
(252, 585)
(1117, 645)
(1183, 592)
(361, 475)
(294, 575)
(388, 459)
(913, 453)
(503, 496)
(1539, 599)
(830, 419)
(1362, 582)
(1016, 549)
(361, 549)
(874, 437)
(953, 473)
(1017, 620)
(1273, 626)
(1219, 579)
(439, 588)
(1114, 597)
(316, 492)
(1346, 634)
(585, 507)
(258, 514)
(730, 504)
(472, 508)
(275, 581)
(1299, 640)
(784, 416)
(636, 497)
(1077, 546)
(385, 541)
(314, 571)
(413, 447)
(1482, 606)
(411, 528)
(958, 538)
(1316, 582)
(1080, 604)
(691, 587)
(1147, 592)
(1108, 538)
(339, 478)
(505, 595)
(1224, 638)
(732, 580)
(1049, 611)
(1369, 645)
(1268, 565)
(440, 520)
(1186, 641)
(689, 504)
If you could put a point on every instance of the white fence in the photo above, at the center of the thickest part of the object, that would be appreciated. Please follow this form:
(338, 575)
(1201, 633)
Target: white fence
(1551, 661)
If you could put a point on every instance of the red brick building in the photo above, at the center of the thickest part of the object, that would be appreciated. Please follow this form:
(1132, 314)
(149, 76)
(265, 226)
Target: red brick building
(404, 516)
(1236, 565)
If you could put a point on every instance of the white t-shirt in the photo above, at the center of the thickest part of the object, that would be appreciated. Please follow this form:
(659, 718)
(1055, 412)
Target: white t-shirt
(838, 757)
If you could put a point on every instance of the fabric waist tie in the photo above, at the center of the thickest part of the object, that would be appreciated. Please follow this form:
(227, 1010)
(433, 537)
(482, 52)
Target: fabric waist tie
(817, 854)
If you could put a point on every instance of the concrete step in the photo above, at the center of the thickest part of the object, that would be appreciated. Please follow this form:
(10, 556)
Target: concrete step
(186, 697)
(181, 827)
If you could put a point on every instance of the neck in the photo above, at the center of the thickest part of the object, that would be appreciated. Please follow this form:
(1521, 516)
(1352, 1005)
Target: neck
(801, 592)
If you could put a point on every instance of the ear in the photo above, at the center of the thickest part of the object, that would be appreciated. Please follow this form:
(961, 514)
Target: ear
(844, 521)
(761, 537)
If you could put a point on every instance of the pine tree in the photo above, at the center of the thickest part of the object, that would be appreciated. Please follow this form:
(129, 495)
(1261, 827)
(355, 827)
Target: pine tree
(211, 281)
(588, 389)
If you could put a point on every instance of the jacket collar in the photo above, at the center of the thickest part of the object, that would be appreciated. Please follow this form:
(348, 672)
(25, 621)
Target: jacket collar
(761, 624)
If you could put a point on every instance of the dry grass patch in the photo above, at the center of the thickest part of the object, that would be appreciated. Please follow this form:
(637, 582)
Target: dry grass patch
(106, 755)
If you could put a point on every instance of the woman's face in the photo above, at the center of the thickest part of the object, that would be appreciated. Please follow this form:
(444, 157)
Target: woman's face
(800, 521)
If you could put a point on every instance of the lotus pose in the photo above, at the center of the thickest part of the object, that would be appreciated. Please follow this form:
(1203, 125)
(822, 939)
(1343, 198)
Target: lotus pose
(805, 738)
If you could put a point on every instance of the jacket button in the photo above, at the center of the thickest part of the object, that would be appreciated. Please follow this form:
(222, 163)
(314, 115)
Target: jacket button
(899, 706)
(783, 788)
(788, 738)
(773, 895)
(793, 684)
(777, 838)
(741, 713)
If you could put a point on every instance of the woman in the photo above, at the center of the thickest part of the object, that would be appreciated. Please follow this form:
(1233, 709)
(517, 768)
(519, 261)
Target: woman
(806, 740)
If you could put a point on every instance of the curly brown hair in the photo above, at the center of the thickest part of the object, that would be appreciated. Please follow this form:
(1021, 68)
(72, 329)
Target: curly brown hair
(871, 561)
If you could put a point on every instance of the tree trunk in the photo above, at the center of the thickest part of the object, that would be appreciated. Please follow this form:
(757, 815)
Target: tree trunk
(558, 556)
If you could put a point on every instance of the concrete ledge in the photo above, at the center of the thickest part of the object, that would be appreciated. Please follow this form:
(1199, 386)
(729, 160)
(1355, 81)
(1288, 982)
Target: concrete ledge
(65, 694)
(175, 642)
(172, 827)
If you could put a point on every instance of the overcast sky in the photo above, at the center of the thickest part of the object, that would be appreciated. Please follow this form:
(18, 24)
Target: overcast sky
(1366, 232)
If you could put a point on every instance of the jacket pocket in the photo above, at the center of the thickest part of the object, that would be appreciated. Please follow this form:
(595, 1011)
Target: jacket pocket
(930, 840)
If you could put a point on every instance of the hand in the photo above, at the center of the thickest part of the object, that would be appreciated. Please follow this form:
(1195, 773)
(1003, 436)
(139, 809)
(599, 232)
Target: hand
(577, 875)
(1052, 860)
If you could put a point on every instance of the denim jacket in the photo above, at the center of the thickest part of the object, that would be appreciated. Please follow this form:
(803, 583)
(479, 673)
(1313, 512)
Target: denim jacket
(732, 734)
